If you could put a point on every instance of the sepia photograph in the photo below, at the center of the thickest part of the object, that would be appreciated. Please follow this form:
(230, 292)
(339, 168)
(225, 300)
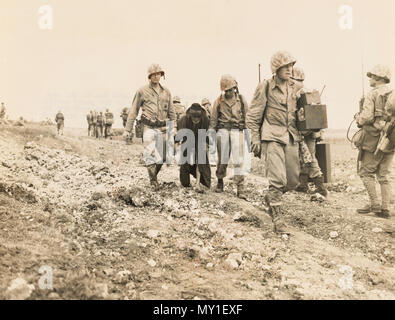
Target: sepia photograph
(197, 150)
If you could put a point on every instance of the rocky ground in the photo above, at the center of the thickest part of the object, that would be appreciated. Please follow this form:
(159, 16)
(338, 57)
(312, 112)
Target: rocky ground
(83, 208)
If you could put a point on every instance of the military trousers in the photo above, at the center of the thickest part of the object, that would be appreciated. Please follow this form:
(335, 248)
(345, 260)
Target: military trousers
(154, 142)
(378, 166)
(282, 168)
(312, 169)
(231, 144)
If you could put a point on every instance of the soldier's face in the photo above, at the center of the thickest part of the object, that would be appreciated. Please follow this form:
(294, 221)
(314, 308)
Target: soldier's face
(285, 72)
(155, 78)
(229, 93)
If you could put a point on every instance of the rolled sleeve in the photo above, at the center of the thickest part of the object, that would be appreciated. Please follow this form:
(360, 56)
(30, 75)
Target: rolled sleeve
(366, 116)
(137, 102)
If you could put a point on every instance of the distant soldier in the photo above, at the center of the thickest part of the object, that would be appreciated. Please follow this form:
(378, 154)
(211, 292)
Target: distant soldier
(94, 124)
(59, 119)
(194, 120)
(272, 120)
(2, 111)
(374, 111)
(157, 108)
(228, 119)
(90, 123)
(124, 116)
(100, 125)
(109, 120)
(207, 106)
(179, 108)
(312, 169)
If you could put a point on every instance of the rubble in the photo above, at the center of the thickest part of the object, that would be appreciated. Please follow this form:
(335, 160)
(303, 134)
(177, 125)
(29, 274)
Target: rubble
(19, 289)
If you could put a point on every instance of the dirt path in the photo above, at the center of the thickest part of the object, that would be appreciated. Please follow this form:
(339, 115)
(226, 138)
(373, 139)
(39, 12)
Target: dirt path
(84, 207)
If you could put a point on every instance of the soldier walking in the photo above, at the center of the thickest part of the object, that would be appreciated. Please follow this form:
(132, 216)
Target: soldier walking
(124, 116)
(59, 119)
(207, 106)
(272, 120)
(228, 119)
(372, 119)
(100, 125)
(312, 169)
(109, 120)
(89, 120)
(178, 107)
(157, 109)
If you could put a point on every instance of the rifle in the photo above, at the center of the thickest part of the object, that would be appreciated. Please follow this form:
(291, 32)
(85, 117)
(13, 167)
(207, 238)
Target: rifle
(384, 137)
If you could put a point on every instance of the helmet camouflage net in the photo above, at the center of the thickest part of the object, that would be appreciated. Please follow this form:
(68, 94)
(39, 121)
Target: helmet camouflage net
(155, 68)
(297, 74)
(227, 82)
(205, 101)
(281, 59)
(380, 71)
(176, 99)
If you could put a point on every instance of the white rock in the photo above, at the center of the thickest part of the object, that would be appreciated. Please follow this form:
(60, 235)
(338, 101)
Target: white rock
(209, 265)
(152, 233)
(151, 262)
(377, 230)
(231, 263)
(333, 234)
(19, 289)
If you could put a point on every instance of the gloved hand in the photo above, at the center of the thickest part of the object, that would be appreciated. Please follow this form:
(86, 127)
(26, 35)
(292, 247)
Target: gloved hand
(256, 148)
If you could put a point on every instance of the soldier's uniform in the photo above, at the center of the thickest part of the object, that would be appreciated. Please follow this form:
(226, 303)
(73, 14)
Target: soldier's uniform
(100, 125)
(228, 119)
(2, 111)
(59, 119)
(371, 118)
(178, 107)
(124, 116)
(89, 120)
(207, 106)
(272, 121)
(109, 120)
(311, 169)
(94, 123)
(157, 109)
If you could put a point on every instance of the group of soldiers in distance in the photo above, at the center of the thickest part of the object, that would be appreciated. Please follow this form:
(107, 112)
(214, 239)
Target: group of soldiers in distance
(99, 124)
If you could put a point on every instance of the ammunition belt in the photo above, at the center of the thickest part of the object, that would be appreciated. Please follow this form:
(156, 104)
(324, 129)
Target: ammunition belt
(231, 126)
(157, 123)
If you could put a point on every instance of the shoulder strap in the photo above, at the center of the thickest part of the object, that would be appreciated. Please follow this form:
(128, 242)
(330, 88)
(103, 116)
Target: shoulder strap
(243, 111)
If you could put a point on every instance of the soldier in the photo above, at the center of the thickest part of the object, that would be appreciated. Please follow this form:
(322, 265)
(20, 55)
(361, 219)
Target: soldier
(109, 120)
(100, 125)
(371, 118)
(207, 106)
(94, 123)
(2, 111)
(312, 169)
(157, 108)
(124, 116)
(89, 120)
(228, 119)
(272, 120)
(59, 119)
(194, 120)
(179, 108)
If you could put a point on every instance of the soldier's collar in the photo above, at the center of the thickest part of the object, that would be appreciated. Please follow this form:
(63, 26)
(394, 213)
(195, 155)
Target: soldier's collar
(222, 97)
(275, 82)
(152, 87)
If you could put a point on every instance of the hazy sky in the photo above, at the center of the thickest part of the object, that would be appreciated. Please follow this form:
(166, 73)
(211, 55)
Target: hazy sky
(97, 53)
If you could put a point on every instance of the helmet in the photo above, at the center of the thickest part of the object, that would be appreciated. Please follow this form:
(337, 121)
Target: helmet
(205, 101)
(280, 59)
(380, 71)
(297, 74)
(390, 105)
(154, 68)
(177, 99)
(227, 82)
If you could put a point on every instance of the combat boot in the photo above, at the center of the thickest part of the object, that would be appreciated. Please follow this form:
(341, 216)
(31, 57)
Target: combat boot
(385, 201)
(319, 184)
(374, 205)
(152, 177)
(303, 185)
(279, 225)
(220, 186)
